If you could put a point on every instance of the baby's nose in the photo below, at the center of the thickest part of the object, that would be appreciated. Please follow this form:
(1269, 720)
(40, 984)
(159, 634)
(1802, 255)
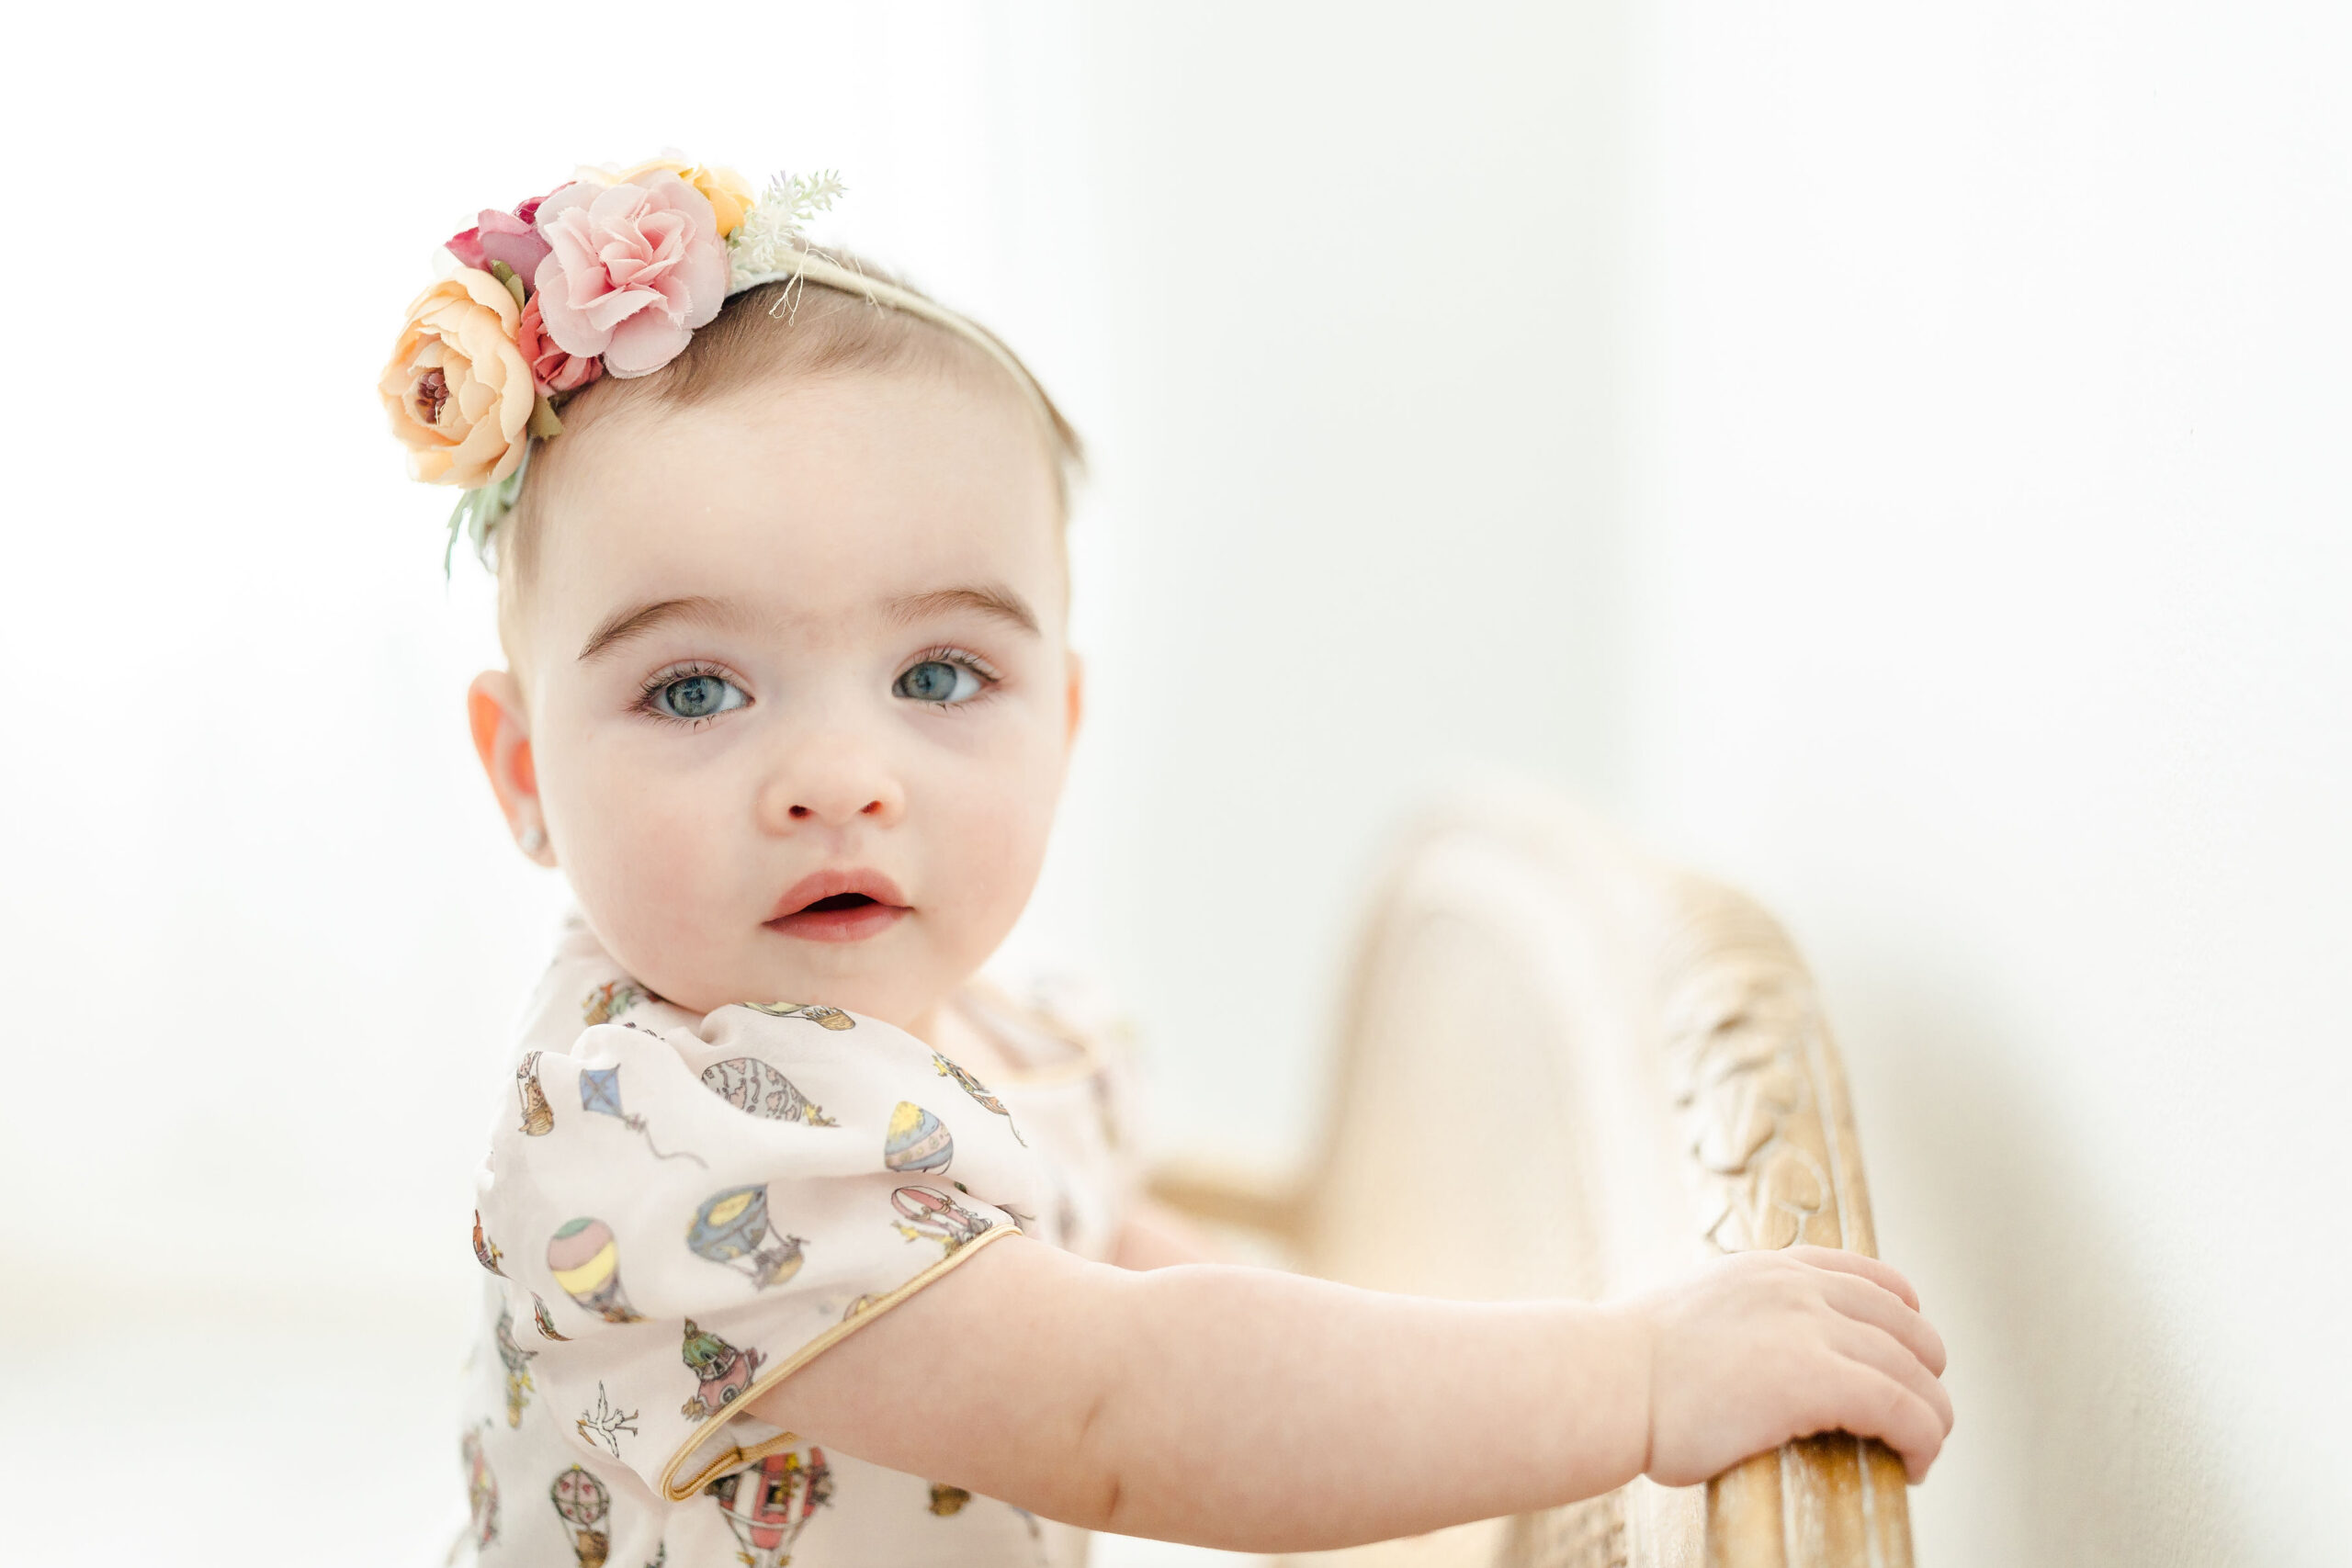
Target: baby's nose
(833, 791)
(871, 809)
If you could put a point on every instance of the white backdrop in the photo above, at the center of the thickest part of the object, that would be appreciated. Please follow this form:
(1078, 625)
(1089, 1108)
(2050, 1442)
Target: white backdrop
(1991, 569)
(1893, 461)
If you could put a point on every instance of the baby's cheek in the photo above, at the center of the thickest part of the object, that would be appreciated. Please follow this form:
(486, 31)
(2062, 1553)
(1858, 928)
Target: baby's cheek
(648, 870)
(994, 846)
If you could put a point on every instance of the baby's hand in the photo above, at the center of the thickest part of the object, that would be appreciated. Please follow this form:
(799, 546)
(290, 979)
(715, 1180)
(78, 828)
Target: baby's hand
(1764, 1347)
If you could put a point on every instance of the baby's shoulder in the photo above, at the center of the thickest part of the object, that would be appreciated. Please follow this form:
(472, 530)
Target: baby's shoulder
(1051, 1024)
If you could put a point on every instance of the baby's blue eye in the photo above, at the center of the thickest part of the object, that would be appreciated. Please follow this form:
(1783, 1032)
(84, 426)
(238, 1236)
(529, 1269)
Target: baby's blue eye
(697, 696)
(936, 680)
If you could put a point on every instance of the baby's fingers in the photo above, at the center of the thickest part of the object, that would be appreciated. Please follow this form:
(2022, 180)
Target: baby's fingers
(1882, 1354)
(1876, 1405)
(1883, 1275)
(1865, 1303)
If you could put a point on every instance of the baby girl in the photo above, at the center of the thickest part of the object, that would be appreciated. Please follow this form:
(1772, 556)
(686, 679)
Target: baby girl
(801, 1243)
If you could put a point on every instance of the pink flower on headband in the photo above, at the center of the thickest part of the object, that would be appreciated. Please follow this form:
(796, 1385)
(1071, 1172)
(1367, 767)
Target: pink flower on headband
(503, 237)
(630, 271)
(552, 371)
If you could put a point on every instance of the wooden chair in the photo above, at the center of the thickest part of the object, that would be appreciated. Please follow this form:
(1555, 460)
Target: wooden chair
(1565, 1069)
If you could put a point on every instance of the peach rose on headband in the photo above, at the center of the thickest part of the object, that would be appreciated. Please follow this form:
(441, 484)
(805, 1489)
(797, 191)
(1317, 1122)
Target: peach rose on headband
(631, 270)
(458, 388)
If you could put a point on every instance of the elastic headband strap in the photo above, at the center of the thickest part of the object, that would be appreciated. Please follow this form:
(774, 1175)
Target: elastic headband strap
(802, 266)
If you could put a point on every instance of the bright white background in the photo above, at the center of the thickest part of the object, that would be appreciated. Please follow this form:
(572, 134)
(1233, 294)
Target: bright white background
(1895, 460)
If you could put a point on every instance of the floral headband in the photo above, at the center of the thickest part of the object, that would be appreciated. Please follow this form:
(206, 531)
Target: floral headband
(607, 275)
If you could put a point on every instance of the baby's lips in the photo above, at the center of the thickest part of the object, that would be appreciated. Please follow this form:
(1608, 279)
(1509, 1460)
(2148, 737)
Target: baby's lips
(834, 884)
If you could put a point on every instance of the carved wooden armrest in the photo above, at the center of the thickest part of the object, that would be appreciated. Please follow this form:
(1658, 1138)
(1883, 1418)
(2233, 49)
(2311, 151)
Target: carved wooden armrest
(1774, 1160)
(1564, 1069)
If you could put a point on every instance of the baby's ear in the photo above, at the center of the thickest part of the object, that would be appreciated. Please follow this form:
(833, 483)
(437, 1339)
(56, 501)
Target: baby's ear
(1074, 698)
(502, 731)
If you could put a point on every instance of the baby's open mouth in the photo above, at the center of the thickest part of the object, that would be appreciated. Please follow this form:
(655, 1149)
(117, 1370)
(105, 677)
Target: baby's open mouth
(838, 905)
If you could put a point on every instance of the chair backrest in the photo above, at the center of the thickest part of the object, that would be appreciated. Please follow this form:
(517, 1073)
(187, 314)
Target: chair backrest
(1565, 1069)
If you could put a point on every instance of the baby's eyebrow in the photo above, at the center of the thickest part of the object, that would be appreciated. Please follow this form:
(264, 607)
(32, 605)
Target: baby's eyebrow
(987, 598)
(623, 624)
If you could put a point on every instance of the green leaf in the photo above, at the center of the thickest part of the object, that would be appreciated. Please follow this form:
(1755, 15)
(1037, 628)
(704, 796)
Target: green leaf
(506, 275)
(480, 510)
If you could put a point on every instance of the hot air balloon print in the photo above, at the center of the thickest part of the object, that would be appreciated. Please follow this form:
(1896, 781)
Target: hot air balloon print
(609, 1001)
(721, 1371)
(518, 1362)
(582, 1502)
(926, 1212)
(769, 1506)
(539, 1117)
(482, 1492)
(917, 1140)
(731, 1227)
(586, 1261)
(544, 1320)
(979, 1093)
(816, 1013)
(757, 1089)
(486, 1251)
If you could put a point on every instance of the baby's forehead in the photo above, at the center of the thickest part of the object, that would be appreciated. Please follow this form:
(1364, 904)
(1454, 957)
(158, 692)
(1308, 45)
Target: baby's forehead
(848, 588)
(816, 506)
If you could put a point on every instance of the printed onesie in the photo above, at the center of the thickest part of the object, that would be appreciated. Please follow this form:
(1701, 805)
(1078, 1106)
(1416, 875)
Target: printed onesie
(678, 1212)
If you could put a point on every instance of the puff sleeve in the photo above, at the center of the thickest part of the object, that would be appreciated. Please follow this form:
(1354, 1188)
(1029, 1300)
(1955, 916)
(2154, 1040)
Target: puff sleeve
(682, 1212)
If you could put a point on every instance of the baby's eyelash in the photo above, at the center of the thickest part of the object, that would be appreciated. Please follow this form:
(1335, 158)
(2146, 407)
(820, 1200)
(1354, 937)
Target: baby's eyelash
(668, 675)
(948, 653)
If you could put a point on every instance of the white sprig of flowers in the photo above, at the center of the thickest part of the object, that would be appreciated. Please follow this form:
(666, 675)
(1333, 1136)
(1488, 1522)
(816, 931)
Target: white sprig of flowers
(775, 227)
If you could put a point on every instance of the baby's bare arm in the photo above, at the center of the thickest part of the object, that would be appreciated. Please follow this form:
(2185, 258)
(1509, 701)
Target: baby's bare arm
(1234, 1407)
(1258, 1411)
(1156, 1237)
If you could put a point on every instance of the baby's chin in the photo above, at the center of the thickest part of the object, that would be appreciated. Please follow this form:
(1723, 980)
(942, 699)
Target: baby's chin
(894, 994)
(899, 974)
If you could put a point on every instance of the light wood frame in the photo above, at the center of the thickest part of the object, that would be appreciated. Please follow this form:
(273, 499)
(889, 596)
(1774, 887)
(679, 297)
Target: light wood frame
(1562, 1068)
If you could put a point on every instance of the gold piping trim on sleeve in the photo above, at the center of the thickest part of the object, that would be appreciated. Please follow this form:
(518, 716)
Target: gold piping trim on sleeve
(737, 1456)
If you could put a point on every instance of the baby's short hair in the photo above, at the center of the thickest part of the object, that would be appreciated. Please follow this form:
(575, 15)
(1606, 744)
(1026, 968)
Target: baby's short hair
(795, 329)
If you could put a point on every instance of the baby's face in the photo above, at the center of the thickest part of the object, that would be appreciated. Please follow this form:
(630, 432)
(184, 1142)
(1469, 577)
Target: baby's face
(799, 695)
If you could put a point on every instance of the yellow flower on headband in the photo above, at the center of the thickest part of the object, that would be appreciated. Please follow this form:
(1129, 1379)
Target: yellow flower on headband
(730, 194)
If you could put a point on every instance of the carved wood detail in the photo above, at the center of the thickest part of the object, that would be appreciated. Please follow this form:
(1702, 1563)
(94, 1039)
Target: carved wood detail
(1774, 1161)
(1704, 986)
